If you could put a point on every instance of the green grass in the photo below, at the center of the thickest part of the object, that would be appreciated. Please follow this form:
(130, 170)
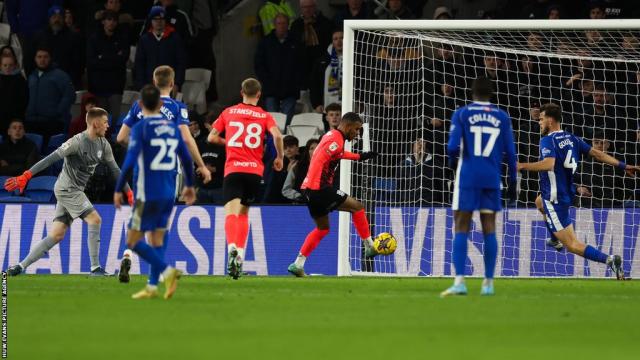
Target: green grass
(76, 317)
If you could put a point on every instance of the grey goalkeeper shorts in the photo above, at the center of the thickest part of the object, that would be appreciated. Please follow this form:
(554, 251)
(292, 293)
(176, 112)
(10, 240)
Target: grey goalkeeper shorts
(71, 205)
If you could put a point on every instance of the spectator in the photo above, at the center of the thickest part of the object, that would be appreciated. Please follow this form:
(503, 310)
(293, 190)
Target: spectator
(354, 10)
(275, 179)
(326, 76)
(66, 45)
(17, 153)
(107, 55)
(7, 50)
(442, 13)
(601, 185)
(313, 30)
(214, 158)
(270, 10)
(554, 12)
(601, 115)
(437, 125)
(159, 46)
(395, 9)
(28, 17)
(51, 95)
(205, 22)
(196, 128)
(176, 18)
(297, 173)
(79, 123)
(124, 19)
(333, 115)
(596, 10)
(70, 21)
(277, 64)
(14, 92)
(424, 177)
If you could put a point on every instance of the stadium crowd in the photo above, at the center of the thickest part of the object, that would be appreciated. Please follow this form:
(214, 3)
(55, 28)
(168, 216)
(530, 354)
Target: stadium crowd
(65, 57)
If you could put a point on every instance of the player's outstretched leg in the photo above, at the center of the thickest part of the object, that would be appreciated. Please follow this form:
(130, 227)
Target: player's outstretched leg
(310, 243)
(360, 222)
(55, 236)
(570, 241)
(462, 220)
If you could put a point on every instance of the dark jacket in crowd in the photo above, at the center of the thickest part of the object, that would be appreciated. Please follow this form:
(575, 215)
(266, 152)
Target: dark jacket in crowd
(14, 95)
(107, 62)
(323, 29)
(66, 51)
(214, 156)
(51, 95)
(29, 16)
(20, 155)
(151, 53)
(278, 66)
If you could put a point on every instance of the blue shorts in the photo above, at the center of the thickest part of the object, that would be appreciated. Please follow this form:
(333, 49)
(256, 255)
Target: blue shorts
(151, 215)
(476, 199)
(557, 215)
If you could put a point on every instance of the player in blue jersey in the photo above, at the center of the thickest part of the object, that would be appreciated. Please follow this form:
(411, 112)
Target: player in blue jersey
(163, 78)
(480, 137)
(560, 153)
(154, 146)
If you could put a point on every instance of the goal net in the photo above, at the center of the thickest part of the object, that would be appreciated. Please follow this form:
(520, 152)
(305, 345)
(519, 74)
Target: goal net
(406, 78)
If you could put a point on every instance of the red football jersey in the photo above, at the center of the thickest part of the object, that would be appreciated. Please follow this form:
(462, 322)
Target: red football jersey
(245, 128)
(325, 160)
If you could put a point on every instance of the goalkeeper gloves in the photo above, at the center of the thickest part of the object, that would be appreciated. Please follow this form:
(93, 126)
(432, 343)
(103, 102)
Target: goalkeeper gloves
(18, 182)
(130, 197)
(368, 155)
(512, 193)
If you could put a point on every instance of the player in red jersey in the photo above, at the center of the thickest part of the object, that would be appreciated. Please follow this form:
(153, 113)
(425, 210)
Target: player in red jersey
(323, 199)
(245, 126)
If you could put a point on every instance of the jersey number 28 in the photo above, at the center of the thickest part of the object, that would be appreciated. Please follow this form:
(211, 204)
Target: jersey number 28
(477, 140)
(165, 159)
(252, 137)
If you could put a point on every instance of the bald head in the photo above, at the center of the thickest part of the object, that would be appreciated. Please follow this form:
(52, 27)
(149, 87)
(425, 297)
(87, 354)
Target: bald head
(308, 8)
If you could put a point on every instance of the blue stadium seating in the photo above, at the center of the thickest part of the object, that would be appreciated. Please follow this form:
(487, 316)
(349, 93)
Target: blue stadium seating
(54, 142)
(40, 189)
(3, 192)
(37, 139)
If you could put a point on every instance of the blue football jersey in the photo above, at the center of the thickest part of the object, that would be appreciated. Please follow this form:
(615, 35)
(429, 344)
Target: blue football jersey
(557, 186)
(154, 147)
(480, 136)
(171, 109)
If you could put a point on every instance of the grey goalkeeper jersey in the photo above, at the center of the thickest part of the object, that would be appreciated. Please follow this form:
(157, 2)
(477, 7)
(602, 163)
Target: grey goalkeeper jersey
(81, 156)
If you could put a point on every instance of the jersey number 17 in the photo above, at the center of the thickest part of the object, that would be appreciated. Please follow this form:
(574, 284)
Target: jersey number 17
(477, 131)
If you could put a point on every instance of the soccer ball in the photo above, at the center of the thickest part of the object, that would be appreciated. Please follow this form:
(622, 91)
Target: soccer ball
(385, 244)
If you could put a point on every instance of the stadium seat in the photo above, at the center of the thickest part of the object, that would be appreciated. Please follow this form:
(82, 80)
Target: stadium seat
(194, 95)
(128, 98)
(304, 132)
(311, 119)
(40, 189)
(54, 142)
(5, 33)
(199, 75)
(15, 199)
(281, 120)
(75, 107)
(37, 139)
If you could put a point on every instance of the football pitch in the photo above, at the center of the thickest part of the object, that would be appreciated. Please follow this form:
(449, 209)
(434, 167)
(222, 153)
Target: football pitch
(77, 317)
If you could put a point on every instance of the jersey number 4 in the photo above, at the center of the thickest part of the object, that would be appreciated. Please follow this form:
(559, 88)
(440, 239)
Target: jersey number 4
(252, 137)
(570, 162)
(165, 158)
(477, 140)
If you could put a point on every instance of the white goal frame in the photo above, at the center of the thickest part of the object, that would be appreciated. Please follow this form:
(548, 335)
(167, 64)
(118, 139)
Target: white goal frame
(344, 267)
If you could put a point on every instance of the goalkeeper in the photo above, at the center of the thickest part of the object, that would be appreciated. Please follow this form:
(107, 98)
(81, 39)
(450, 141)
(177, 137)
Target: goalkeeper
(81, 154)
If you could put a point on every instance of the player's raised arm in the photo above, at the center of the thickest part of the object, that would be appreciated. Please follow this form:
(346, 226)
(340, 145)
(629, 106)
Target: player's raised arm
(603, 157)
(125, 130)
(216, 129)
(509, 149)
(548, 153)
(20, 182)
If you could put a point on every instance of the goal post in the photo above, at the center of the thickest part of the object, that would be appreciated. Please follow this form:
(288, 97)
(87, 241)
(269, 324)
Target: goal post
(406, 77)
